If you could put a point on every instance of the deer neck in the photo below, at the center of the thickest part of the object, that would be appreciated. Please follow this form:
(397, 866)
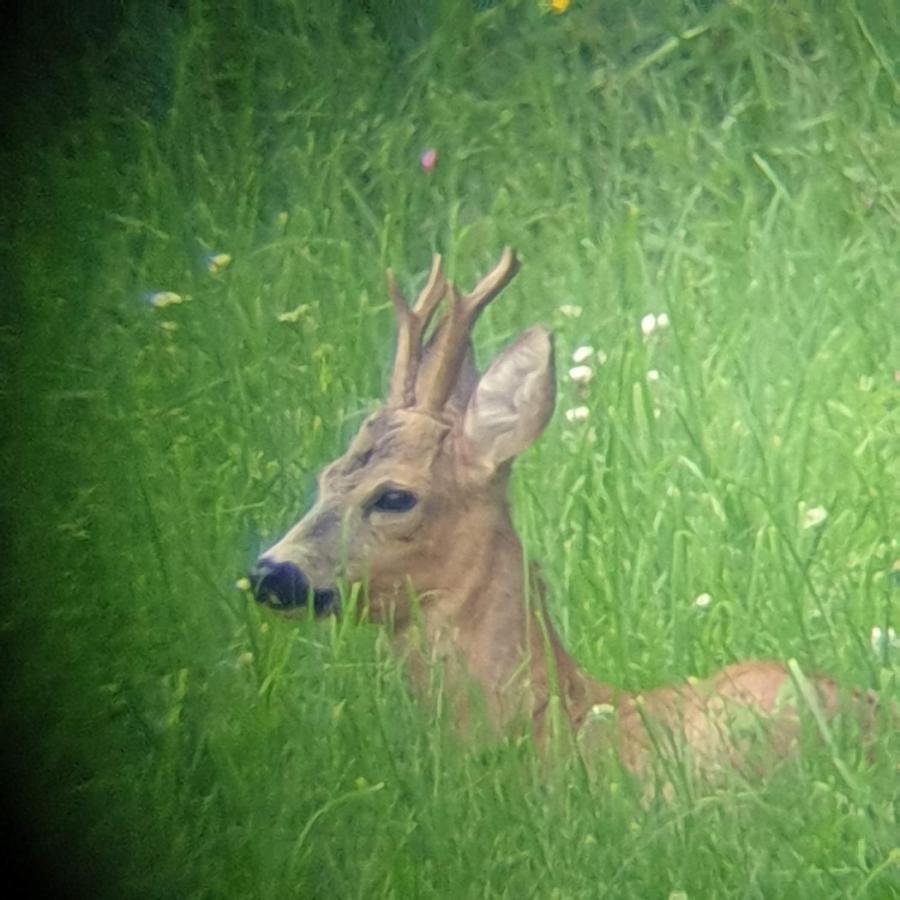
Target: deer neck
(487, 625)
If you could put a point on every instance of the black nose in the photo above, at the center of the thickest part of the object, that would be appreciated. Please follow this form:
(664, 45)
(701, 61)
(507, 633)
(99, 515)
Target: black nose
(283, 584)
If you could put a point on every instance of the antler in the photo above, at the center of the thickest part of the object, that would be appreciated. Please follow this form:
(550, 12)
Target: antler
(411, 326)
(452, 337)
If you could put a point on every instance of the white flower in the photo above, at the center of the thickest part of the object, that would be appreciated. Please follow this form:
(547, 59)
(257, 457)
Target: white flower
(815, 516)
(573, 312)
(582, 354)
(651, 323)
(701, 601)
(653, 375)
(162, 299)
(216, 263)
(880, 641)
(581, 374)
(578, 414)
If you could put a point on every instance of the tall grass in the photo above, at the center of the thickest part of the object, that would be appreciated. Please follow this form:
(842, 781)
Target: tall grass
(733, 165)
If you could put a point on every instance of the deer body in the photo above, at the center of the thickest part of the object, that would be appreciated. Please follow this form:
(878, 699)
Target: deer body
(417, 510)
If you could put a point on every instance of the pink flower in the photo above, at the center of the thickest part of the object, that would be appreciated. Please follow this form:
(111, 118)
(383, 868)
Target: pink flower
(428, 159)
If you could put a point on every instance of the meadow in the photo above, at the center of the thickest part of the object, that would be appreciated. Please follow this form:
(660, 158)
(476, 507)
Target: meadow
(196, 237)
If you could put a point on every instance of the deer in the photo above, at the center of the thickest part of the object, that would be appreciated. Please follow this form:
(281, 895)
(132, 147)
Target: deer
(417, 511)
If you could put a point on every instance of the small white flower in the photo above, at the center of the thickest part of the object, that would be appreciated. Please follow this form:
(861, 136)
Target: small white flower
(216, 263)
(243, 584)
(573, 312)
(648, 324)
(701, 601)
(162, 299)
(578, 414)
(662, 320)
(581, 374)
(814, 516)
(582, 354)
(653, 375)
(883, 640)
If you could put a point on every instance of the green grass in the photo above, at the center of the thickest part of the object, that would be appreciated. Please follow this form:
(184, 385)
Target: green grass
(734, 165)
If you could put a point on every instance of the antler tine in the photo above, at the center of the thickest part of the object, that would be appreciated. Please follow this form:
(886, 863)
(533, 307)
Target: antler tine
(492, 283)
(411, 326)
(456, 328)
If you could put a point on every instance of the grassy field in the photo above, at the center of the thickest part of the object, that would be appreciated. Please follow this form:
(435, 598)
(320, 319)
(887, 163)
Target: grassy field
(732, 165)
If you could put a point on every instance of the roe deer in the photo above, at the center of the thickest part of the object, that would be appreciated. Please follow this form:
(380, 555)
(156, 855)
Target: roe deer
(416, 509)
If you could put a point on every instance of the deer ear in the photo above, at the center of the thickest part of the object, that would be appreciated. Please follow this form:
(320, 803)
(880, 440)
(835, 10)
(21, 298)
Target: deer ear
(512, 402)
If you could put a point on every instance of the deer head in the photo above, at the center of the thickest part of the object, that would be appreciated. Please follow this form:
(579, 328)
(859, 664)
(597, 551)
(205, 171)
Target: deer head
(418, 501)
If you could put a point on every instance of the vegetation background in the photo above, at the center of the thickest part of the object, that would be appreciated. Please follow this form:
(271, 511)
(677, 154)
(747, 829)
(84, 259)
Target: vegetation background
(733, 165)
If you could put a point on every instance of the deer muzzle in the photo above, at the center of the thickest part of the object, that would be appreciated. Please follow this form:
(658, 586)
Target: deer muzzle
(283, 585)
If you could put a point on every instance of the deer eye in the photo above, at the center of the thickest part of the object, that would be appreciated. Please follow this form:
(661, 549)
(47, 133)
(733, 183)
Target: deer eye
(394, 500)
